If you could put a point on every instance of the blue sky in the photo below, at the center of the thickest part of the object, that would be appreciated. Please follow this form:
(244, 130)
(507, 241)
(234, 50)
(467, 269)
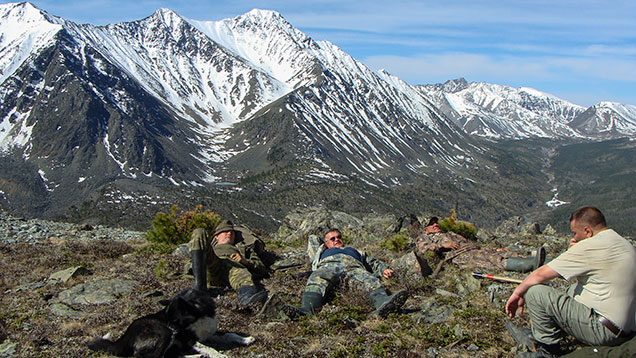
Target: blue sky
(580, 50)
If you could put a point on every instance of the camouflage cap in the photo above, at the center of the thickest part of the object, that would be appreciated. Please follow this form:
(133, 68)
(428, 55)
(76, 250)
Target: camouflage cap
(432, 221)
(224, 225)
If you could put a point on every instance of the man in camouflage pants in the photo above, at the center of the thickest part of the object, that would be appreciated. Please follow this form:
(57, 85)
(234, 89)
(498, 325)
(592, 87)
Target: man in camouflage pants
(221, 260)
(331, 260)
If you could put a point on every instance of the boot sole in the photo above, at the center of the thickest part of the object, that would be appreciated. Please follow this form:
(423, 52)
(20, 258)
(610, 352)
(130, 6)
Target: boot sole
(394, 304)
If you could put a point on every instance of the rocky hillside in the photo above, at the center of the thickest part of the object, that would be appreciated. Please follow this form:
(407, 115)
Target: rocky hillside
(64, 284)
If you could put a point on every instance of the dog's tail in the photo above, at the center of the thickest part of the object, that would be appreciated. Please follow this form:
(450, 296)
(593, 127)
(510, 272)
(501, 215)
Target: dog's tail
(106, 345)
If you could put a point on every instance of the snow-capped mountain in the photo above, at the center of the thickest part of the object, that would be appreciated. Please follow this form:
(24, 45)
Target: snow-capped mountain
(168, 101)
(503, 112)
(216, 74)
(607, 120)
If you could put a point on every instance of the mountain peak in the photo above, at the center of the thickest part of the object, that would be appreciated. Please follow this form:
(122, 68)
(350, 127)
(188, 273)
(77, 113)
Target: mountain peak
(25, 10)
(24, 29)
(265, 14)
(166, 16)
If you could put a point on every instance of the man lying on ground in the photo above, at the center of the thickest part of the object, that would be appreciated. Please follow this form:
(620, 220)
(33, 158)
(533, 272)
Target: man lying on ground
(331, 261)
(468, 254)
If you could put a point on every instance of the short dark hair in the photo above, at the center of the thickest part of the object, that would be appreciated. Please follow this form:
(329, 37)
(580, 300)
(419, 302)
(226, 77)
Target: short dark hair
(331, 230)
(433, 220)
(589, 215)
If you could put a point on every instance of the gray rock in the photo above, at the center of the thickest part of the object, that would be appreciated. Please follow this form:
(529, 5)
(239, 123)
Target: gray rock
(434, 312)
(7, 349)
(65, 275)
(472, 347)
(407, 265)
(531, 228)
(63, 310)
(549, 230)
(457, 330)
(97, 292)
(511, 226)
(303, 222)
(467, 283)
(439, 291)
(182, 250)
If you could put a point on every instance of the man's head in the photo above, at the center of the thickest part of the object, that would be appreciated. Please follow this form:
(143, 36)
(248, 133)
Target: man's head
(333, 238)
(433, 226)
(224, 232)
(586, 222)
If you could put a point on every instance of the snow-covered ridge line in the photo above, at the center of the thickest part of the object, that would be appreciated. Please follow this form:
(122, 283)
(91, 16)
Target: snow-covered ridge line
(213, 75)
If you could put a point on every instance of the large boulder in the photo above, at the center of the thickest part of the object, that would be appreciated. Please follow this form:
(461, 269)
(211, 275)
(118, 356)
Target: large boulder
(302, 222)
(97, 292)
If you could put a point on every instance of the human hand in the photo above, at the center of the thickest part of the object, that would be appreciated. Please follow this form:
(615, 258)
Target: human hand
(387, 273)
(572, 242)
(452, 245)
(236, 257)
(514, 302)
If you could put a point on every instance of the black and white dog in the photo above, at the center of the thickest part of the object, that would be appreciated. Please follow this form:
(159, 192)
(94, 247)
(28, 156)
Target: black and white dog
(182, 327)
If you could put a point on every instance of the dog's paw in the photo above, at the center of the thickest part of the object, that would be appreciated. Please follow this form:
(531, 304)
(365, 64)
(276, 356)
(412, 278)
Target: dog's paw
(248, 340)
(108, 336)
(205, 352)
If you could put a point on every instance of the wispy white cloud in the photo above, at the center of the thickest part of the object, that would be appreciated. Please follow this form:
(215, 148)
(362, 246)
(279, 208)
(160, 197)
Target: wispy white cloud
(558, 75)
(564, 46)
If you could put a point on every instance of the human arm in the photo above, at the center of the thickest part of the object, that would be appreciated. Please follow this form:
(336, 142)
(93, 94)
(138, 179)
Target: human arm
(542, 274)
(248, 258)
(449, 245)
(236, 257)
(376, 266)
(436, 243)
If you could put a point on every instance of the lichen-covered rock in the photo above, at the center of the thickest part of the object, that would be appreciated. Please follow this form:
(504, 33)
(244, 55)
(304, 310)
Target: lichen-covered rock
(301, 223)
(531, 228)
(549, 230)
(97, 292)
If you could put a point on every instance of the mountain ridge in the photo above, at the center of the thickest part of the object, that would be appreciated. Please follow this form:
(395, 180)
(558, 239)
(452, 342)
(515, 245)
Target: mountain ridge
(205, 109)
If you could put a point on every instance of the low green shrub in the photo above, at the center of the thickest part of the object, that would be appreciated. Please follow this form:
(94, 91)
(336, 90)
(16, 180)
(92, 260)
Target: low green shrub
(396, 243)
(162, 269)
(170, 230)
(463, 228)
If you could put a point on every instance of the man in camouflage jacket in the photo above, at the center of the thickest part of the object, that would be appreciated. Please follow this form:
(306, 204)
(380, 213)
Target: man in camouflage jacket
(331, 261)
(230, 256)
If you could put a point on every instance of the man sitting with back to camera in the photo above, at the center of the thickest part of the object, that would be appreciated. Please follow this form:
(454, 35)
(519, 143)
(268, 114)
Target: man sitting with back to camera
(226, 258)
(598, 309)
(331, 261)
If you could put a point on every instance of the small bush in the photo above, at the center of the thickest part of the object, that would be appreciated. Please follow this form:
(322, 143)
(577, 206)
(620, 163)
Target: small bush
(396, 243)
(462, 228)
(170, 230)
(162, 269)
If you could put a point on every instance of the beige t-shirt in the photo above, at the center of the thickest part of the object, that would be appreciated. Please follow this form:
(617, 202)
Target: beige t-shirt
(604, 267)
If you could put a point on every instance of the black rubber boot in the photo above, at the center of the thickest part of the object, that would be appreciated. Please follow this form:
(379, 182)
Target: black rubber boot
(522, 336)
(248, 295)
(199, 270)
(385, 304)
(526, 264)
(544, 351)
(311, 301)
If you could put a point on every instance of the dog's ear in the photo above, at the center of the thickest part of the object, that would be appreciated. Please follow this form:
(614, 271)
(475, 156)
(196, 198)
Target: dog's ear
(180, 312)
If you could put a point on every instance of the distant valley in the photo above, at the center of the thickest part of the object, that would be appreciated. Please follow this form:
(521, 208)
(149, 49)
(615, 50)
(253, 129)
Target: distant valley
(252, 118)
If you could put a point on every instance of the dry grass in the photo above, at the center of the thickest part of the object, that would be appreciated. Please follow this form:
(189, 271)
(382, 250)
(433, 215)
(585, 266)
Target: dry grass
(343, 328)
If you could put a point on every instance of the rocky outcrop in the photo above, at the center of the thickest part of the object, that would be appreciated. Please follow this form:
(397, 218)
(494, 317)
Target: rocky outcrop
(301, 223)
